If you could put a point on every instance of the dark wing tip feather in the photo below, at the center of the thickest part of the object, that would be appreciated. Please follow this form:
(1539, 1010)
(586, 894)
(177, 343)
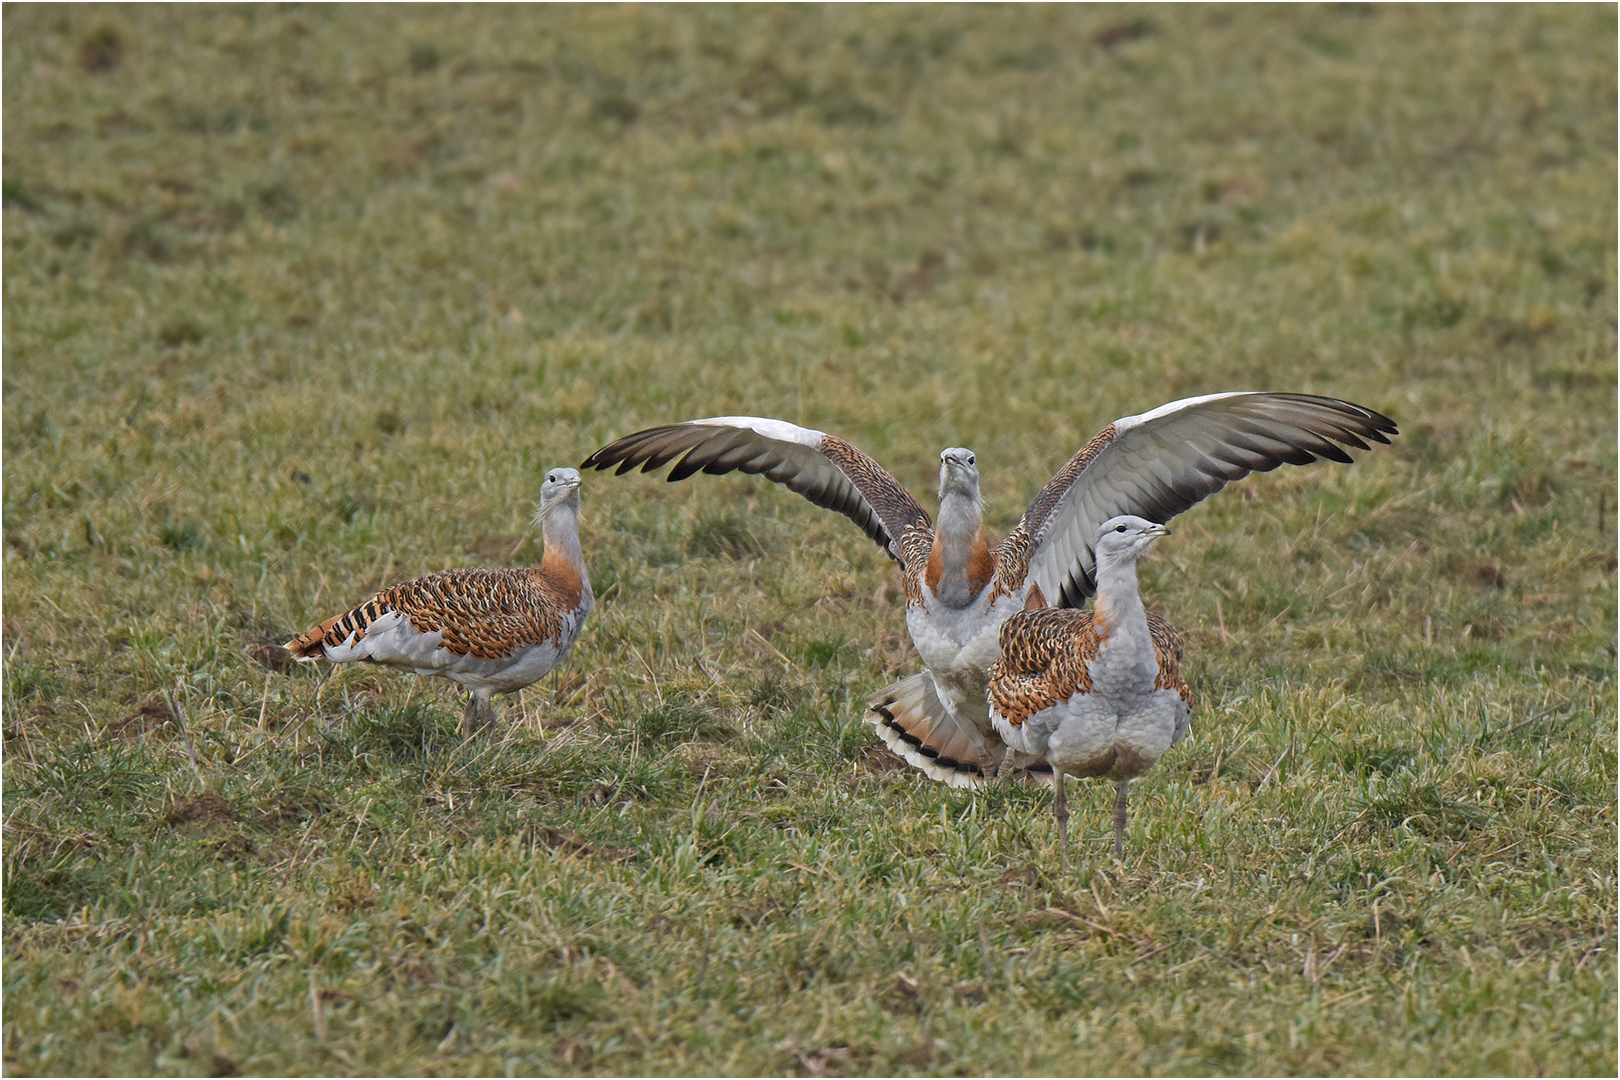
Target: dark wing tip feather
(1336, 453)
(620, 452)
(683, 468)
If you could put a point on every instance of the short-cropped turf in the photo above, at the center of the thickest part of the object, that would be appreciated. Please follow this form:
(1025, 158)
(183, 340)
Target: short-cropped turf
(302, 300)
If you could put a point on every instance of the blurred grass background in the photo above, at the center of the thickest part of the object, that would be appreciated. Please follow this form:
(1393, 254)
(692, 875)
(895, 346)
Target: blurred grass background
(301, 300)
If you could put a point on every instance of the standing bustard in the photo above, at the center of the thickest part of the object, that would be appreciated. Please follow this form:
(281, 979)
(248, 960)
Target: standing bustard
(1094, 693)
(959, 590)
(491, 630)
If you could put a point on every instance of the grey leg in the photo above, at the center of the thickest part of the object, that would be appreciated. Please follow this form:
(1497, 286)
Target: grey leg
(480, 713)
(1062, 807)
(1119, 816)
(999, 772)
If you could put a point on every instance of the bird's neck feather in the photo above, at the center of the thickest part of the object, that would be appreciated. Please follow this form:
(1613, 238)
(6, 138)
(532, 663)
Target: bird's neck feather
(559, 530)
(960, 564)
(1119, 602)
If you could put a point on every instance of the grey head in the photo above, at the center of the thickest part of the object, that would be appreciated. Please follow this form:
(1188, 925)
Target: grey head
(958, 472)
(560, 488)
(1125, 539)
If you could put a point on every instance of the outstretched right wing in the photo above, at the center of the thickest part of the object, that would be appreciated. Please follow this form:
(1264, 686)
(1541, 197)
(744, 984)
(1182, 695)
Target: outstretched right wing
(823, 468)
(1161, 462)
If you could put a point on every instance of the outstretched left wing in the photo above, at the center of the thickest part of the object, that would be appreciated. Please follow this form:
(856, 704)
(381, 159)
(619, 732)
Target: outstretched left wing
(823, 468)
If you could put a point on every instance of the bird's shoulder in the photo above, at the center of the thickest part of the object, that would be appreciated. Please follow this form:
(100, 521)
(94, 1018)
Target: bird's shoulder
(1167, 650)
(1046, 657)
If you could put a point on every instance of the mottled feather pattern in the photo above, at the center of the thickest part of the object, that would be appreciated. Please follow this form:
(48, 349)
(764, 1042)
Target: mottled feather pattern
(1034, 520)
(824, 469)
(916, 544)
(893, 503)
(1046, 656)
(958, 591)
(485, 613)
(1012, 557)
(1012, 562)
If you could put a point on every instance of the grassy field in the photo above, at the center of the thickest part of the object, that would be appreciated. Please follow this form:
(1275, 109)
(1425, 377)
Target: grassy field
(299, 301)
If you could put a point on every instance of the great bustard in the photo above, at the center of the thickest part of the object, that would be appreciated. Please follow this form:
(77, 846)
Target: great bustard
(1094, 693)
(959, 589)
(491, 630)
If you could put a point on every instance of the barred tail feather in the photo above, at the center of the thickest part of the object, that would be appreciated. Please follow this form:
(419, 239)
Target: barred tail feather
(313, 645)
(915, 723)
(310, 646)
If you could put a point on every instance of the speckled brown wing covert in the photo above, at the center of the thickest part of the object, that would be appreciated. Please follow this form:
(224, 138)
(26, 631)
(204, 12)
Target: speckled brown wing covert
(485, 613)
(1045, 658)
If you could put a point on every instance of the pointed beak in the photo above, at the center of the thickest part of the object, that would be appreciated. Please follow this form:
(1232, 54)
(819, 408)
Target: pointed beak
(561, 492)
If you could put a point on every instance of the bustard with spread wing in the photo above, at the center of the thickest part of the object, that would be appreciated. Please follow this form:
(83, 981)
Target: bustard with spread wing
(492, 631)
(959, 589)
(1094, 693)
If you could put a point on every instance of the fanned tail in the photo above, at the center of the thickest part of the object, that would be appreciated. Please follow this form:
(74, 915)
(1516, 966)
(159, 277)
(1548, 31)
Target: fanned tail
(916, 724)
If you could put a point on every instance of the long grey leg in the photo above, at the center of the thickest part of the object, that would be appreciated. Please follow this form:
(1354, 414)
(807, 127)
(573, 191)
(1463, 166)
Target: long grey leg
(1061, 805)
(469, 717)
(1119, 816)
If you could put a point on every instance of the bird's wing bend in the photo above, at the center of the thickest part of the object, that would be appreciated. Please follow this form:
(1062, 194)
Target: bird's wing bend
(1159, 463)
(823, 468)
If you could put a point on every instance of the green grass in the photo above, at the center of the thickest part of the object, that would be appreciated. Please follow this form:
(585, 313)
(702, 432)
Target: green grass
(301, 300)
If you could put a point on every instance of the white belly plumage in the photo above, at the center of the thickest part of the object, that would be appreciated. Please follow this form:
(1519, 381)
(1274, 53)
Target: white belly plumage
(1090, 735)
(958, 646)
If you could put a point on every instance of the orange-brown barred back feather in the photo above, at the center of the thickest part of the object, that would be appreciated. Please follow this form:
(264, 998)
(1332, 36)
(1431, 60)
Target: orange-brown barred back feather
(1046, 655)
(916, 547)
(1010, 562)
(484, 613)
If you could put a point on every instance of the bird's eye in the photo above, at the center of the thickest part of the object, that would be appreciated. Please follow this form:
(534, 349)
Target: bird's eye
(552, 478)
(1119, 528)
(971, 459)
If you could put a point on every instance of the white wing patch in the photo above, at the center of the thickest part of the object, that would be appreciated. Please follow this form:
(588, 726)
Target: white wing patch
(1125, 423)
(769, 428)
